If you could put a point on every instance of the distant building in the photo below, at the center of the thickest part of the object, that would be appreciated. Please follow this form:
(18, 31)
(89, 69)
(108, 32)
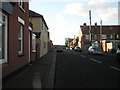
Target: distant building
(110, 36)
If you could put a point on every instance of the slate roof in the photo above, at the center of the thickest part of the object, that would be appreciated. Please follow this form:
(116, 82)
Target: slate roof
(34, 14)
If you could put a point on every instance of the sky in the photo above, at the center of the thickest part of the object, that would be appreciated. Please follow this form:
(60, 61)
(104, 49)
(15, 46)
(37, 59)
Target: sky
(64, 17)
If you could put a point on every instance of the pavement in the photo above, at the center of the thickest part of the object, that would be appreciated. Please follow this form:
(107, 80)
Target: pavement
(39, 74)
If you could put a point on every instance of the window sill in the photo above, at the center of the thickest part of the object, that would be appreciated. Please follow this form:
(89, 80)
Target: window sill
(22, 9)
(20, 55)
(34, 51)
(3, 61)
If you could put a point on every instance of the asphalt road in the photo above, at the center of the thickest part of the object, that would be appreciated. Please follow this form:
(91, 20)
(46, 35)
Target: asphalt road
(82, 70)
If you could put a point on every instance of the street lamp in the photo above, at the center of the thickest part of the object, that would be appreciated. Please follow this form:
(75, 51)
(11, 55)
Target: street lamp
(90, 26)
(101, 34)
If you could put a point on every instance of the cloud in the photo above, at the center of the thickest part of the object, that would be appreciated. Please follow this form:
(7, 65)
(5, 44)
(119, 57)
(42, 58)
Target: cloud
(70, 0)
(77, 9)
(62, 28)
(100, 10)
(59, 29)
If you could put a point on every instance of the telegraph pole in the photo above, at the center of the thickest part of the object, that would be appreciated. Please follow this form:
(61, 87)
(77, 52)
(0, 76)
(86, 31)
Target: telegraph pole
(101, 34)
(90, 27)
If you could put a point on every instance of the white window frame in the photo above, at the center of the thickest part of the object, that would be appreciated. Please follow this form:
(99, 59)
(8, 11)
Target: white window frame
(104, 36)
(87, 37)
(111, 36)
(33, 43)
(21, 38)
(21, 23)
(20, 3)
(6, 33)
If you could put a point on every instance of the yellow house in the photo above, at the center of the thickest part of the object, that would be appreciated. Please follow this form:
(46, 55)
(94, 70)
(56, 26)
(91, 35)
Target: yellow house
(40, 29)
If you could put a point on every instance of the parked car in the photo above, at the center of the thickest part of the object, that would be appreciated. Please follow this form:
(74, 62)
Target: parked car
(94, 50)
(118, 55)
(78, 49)
(60, 49)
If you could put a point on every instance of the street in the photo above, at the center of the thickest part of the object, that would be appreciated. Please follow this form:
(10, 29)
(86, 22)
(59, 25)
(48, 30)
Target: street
(83, 70)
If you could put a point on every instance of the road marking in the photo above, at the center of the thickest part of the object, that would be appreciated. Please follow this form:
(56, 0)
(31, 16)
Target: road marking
(115, 68)
(95, 60)
(83, 56)
(37, 80)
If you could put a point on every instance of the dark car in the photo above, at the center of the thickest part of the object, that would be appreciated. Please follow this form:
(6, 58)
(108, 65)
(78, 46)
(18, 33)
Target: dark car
(60, 49)
(78, 49)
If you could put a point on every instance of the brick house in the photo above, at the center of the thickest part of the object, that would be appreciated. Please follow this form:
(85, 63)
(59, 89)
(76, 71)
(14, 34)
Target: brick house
(14, 36)
(110, 36)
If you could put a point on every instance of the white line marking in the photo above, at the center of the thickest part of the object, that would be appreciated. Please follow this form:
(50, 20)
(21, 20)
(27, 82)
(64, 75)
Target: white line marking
(83, 56)
(115, 68)
(37, 80)
(95, 60)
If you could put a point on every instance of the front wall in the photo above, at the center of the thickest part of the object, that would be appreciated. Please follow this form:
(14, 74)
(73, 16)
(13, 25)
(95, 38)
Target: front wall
(44, 43)
(14, 61)
(37, 24)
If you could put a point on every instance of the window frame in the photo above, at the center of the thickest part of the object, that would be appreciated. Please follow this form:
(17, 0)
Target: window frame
(34, 43)
(4, 60)
(21, 5)
(21, 23)
(20, 38)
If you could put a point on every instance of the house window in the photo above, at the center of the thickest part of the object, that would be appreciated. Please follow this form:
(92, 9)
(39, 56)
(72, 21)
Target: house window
(87, 37)
(21, 5)
(20, 38)
(33, 43)
(104, 37)
(95, 36)
(117, 36)
(3, 38)
(111, 36)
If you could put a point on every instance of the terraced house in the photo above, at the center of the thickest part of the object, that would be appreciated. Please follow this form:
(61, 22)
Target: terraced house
(40, 29)
(14, 36)
(110, 36)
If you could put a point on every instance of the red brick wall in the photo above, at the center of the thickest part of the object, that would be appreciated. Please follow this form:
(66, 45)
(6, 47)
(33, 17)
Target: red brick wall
(14, 61)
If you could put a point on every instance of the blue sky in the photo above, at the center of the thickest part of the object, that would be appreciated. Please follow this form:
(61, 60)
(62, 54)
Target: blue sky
(64, 17)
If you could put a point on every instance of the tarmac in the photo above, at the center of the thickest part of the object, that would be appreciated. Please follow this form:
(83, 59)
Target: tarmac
(38, 75)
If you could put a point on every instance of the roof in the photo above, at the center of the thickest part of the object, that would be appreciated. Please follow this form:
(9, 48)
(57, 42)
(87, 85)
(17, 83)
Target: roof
(109, 29)
(34, 14)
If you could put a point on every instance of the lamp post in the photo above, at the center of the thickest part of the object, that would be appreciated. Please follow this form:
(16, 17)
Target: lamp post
(101, 34)
(90, 27)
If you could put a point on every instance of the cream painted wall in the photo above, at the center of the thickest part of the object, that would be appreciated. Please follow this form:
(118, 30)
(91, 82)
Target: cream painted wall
(44, 41)
(39, 26)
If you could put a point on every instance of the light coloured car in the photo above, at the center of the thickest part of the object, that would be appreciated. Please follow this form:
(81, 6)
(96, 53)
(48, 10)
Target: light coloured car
(94, 50)
(118, 55)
